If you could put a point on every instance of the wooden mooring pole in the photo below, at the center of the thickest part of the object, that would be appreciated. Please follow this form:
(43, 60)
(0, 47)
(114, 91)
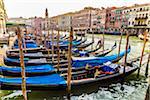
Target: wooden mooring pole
(145, 35)
(147, 66)
(48, 47)
(126, 53)
(24, 40)
(103, 39)
(125, 60)
(52, 45)
(92, 40)
(58, 53)
(22, 64)
(120, 41)
(69, 64)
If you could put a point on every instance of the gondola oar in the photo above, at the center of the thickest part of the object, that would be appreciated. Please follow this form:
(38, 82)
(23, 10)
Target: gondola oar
(145, 35)
(22, 64)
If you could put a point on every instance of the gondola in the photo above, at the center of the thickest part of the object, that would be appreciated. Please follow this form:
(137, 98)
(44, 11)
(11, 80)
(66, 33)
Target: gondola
(76, 61)
(34, 55)
(28, 44)
(34, 50)
(62, 37)
(94, 52)
(61, 40)
(107, 74)
(105, 52)
(30, 70)
(32, 62)
(64, 45)
(40, 70)
(82, 61)
(83, 46)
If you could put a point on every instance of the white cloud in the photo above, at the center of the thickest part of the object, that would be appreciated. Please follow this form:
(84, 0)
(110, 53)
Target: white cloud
(28, 8)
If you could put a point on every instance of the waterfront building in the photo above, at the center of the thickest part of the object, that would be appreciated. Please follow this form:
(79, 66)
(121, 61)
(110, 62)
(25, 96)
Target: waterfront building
(138, 17)
(54, 21)
(110, 19)
(101, 20)
(118, 25)
(85, 20)
(64, 21)
(3, 18)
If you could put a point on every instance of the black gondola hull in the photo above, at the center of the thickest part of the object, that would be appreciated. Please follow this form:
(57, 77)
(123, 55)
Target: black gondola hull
(102, 81)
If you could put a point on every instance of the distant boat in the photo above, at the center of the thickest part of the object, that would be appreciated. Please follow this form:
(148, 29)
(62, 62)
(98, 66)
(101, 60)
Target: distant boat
(96, 52)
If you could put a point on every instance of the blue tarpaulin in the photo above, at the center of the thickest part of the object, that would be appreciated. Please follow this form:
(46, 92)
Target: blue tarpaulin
(29, 69)
(95, 61)
(53, 79)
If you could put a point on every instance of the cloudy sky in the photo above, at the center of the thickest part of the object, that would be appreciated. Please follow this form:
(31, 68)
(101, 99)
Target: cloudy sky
(30, 8)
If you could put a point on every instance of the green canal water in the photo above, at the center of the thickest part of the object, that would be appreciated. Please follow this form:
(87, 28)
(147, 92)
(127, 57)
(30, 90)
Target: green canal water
(133, 88)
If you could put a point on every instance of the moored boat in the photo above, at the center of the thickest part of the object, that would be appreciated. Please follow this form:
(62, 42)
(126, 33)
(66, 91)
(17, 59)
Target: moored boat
(106, 75)
(76, 61)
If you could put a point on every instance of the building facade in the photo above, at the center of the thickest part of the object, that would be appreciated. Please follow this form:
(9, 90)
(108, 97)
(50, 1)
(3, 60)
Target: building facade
(54, 21)
(3, 18)
(101, 20)
(114, 19)
(85, 20)
(138, 17)
(64, 21)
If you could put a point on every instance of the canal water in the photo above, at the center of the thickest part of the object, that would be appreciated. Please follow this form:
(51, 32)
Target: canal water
(132, 89)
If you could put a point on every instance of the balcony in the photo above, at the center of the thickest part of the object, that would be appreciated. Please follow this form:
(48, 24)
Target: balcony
(140, 25)
(144, 17)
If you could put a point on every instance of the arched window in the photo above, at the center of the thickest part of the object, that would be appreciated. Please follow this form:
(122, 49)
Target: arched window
(138, 22)
(132, 23)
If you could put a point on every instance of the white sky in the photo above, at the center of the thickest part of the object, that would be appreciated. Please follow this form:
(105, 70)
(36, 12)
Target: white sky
(31, 8)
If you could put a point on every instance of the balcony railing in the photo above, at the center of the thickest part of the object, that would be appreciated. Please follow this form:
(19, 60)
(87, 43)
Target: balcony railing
(144, 17)
(140, 25)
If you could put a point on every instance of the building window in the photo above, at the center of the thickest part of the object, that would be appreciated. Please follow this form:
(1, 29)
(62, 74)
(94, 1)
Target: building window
(138, 22)
(129, 23)
(140, 9)
(132, 23)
